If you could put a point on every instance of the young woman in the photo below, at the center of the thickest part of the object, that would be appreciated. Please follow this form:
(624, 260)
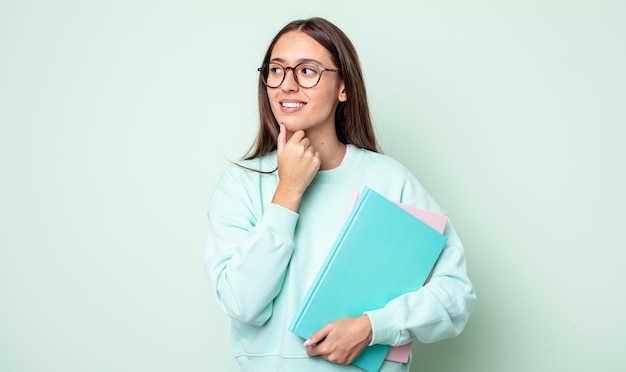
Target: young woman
(275, 215)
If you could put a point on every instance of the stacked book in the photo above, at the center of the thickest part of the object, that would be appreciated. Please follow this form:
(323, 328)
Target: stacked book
(384, 250)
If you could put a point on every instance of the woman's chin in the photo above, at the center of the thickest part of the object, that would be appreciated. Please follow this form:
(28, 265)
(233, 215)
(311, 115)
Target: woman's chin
(291, 126)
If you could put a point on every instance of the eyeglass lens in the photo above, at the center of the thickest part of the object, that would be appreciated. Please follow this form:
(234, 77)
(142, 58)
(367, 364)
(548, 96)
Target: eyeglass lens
(306, 75)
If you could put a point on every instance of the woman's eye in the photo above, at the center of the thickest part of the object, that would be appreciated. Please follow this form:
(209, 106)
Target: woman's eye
(275, 70)
(309, 70)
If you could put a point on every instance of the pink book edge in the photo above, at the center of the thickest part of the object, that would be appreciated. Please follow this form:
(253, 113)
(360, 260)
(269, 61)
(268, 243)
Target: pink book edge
(435, 220)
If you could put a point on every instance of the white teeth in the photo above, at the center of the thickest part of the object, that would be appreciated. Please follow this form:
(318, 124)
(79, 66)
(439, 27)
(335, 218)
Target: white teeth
(292, 104)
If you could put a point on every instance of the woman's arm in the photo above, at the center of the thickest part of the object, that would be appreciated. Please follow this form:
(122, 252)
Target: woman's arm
(249, 245)
(248, 248)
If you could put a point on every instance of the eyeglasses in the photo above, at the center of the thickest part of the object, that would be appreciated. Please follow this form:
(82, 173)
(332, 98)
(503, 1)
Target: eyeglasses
(306, 74)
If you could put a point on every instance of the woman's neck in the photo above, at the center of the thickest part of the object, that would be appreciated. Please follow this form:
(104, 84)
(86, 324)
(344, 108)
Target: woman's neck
(331, 150)
(331, 154)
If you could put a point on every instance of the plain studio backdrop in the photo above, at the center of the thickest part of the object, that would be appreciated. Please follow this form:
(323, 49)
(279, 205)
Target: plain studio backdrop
(116, 118)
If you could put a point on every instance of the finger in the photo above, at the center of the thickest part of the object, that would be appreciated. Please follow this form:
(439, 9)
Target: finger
(282, 139)
(297, 136)
(317, 337)
(305, 142)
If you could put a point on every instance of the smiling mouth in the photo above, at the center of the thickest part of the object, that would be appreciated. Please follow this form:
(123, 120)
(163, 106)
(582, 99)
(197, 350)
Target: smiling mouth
(292, 104)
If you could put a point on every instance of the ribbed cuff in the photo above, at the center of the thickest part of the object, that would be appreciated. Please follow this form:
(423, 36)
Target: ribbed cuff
(384, 326)
(280, 220)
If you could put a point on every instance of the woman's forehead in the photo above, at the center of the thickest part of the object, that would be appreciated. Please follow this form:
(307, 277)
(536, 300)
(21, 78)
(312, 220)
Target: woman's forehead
(297, 46)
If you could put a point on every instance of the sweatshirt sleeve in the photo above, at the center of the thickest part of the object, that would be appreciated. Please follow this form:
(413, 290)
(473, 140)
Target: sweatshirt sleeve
(441, 308)
(248, 249)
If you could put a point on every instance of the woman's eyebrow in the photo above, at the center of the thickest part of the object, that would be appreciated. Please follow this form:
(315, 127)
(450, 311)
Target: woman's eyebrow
(301, 60)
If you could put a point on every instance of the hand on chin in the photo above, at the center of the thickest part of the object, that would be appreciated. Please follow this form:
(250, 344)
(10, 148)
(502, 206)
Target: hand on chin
(291, 127)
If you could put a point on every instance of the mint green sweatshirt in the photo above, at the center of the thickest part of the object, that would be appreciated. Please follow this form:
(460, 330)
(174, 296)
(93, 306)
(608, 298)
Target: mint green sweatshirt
(261, 259)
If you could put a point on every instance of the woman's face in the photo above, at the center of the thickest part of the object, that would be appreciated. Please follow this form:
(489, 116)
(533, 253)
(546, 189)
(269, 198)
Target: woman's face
(312, 109)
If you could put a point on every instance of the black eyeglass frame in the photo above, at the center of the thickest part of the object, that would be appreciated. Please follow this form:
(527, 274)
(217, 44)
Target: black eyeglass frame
(295, 76)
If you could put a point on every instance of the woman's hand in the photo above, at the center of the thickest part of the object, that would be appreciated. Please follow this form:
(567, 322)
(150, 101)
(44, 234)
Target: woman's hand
(298, 162)
(341, 341)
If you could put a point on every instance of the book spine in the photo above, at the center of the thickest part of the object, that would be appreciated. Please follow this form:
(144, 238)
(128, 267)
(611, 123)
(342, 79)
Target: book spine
(295, 323)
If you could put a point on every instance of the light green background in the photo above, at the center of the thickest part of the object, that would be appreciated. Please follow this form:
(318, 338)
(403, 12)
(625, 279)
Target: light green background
(117, 116)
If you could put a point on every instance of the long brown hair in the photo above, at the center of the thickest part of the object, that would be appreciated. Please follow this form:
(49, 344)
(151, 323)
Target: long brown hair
(352, 118)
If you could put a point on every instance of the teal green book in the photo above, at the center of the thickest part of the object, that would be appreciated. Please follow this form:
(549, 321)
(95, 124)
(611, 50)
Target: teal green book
(381, 253)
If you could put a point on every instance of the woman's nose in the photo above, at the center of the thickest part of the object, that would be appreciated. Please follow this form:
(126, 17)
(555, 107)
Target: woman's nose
(289, 83)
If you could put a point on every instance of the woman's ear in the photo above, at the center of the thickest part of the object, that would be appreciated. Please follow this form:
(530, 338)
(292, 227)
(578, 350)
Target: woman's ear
(343, 96)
